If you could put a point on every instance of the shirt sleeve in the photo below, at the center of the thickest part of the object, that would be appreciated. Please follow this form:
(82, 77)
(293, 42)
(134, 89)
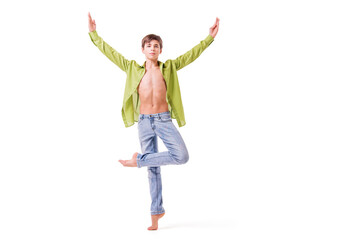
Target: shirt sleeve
(109, 52)
(193, 54)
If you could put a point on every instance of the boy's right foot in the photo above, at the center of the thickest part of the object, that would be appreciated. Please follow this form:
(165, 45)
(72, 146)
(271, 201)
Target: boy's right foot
(154, 220)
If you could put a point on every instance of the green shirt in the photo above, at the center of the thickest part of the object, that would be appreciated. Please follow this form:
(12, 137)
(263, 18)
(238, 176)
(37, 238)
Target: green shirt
(135, 72)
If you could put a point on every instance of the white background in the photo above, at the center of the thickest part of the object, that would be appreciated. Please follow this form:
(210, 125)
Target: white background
(272, 110)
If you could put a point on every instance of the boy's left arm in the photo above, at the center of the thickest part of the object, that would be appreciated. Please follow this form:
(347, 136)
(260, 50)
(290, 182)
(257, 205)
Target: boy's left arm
(195, 52)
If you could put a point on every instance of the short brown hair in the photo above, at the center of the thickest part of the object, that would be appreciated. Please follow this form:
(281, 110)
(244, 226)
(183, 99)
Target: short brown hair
(148, 38)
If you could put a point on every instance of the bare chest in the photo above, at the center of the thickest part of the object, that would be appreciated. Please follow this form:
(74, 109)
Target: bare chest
(152, 80)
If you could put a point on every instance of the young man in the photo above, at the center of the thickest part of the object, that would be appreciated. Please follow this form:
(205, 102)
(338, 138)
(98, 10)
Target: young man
(152, 98)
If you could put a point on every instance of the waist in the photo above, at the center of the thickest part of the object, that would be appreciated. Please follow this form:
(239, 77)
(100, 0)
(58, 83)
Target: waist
(153, 108)
(158, 115)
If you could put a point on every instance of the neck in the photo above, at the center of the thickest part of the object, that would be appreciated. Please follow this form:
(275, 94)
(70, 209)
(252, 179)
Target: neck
(151, 63)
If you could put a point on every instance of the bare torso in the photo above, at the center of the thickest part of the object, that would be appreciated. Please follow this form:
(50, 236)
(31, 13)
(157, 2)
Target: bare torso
(152, 92)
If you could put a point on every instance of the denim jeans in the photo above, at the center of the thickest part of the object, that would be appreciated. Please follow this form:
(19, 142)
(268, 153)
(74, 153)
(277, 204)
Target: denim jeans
(150, 127)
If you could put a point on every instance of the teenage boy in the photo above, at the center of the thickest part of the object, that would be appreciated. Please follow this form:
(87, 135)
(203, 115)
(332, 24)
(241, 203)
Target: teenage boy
(152, 98)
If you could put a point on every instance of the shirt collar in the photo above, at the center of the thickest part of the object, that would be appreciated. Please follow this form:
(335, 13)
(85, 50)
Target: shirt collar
(160, 64)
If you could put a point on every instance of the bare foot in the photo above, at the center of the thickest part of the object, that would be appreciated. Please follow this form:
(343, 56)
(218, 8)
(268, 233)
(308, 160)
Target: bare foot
(131, 162)
(154, 220)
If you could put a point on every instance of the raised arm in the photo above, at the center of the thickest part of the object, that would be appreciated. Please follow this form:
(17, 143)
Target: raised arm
(105, 48)
(196, 51)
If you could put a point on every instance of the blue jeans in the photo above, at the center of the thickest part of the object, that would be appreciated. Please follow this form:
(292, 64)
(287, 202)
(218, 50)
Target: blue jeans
(150, 127)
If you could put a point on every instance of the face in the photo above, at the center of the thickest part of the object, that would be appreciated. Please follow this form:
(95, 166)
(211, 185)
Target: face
(152, 50)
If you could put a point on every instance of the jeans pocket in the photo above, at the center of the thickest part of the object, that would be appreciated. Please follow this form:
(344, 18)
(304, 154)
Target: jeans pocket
(166, 119)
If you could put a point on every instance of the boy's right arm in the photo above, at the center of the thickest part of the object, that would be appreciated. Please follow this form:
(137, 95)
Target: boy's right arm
(109, 52)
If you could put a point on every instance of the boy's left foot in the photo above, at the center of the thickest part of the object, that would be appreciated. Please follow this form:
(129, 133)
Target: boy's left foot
(131, 162)
(154, 221)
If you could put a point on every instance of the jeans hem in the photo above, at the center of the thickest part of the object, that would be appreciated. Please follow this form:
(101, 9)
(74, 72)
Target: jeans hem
(138, 160)
(156, 213)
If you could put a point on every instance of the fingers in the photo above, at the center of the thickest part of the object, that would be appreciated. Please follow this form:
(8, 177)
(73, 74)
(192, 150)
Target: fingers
(90, 19)
(215, 28)
(216, 23)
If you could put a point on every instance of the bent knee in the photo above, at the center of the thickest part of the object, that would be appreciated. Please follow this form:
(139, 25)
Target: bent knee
(183, 157)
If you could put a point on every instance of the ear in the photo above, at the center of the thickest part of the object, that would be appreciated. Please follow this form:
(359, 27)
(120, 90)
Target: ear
(142, 50)
(160, 51)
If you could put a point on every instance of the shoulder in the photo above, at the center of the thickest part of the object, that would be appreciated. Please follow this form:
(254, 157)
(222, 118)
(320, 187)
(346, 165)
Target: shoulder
(133, 63)
(169, 62)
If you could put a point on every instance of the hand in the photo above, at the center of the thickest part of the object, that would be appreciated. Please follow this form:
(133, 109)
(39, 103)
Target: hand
(215, 28)
(92, 24)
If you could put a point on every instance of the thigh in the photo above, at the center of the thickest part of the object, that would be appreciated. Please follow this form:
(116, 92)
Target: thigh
(169, 134)
(147, 137)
